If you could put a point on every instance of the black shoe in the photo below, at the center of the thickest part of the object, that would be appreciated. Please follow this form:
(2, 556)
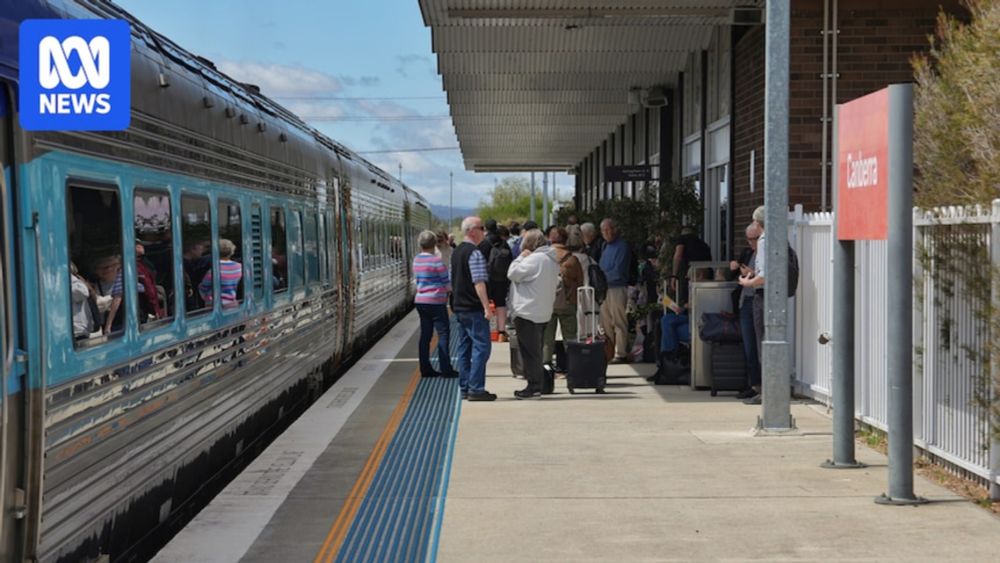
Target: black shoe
(527, 393)
(482, 396)
(449, 374)
(746, 393)
(465, 394)
(431, 373)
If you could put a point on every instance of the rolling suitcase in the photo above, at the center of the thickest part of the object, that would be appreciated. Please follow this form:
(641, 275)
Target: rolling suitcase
(728, 367)
(587, 366)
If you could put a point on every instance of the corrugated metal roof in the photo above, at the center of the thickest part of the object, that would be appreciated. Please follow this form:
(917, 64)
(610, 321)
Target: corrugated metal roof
(537, 84)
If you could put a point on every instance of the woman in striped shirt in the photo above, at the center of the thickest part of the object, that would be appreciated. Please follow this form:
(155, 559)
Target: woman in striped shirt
(230, 274)
(433, 286)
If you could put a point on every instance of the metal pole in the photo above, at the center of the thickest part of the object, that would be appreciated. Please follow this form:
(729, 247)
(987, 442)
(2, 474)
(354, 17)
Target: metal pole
(545, 200)
(843, 336)
(451, 200)
(776, 362)
(532, 196)
(899, 337)
(400, 171)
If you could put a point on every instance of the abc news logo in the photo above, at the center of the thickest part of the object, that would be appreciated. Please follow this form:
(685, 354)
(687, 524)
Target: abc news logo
(75, 75)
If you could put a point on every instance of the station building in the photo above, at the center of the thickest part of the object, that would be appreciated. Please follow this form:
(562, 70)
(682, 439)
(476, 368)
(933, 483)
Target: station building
(537, 85)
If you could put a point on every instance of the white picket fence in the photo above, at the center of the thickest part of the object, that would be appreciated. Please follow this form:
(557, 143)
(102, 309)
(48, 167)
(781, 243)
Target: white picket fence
(949, 337)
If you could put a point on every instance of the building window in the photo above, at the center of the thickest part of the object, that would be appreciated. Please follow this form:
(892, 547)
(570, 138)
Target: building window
(94, 226)
(196, 238)
(154, 253)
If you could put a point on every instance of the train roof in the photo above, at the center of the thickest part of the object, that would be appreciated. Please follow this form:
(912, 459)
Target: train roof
(197, 68)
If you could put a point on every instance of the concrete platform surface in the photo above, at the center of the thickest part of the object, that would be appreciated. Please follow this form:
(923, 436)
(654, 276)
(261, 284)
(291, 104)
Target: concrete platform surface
(664, 473)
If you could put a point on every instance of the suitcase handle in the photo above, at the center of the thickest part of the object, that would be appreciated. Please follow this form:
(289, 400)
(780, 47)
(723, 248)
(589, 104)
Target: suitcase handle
(586, 314)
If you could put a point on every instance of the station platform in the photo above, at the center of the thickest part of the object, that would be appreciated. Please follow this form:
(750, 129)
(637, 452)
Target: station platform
(387, 466)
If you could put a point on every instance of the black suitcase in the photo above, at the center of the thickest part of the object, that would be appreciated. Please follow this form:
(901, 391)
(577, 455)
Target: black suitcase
(586, 364)
(728, 366)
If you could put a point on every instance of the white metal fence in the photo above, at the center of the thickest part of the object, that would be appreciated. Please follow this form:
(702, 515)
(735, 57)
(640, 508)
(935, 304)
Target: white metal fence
(950, 335)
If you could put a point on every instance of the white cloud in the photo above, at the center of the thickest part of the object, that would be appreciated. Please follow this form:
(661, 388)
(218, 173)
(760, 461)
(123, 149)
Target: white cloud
(281, 80)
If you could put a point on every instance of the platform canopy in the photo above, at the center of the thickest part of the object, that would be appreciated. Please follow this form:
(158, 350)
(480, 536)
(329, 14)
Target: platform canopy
(537, 84)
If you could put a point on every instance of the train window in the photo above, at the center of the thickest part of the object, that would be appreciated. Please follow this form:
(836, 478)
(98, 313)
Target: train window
(300, 269)
(256, 252)
(95, 268)
(310, 249)
(230, 253)
(321, 250)
(279, 250)
(196, 237)
(154, 253)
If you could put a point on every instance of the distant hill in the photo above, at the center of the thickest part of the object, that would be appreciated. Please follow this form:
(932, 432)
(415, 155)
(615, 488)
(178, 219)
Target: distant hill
(441, 212)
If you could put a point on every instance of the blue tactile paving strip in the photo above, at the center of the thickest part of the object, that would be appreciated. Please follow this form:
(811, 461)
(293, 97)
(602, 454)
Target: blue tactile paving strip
(400, 517)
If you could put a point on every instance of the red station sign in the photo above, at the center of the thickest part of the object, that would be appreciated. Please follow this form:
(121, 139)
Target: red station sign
(863, 168)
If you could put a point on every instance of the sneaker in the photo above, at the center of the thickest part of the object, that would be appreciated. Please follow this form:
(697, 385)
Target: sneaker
(746, 393)
(755, 400)
(527, 393)
(482, 396)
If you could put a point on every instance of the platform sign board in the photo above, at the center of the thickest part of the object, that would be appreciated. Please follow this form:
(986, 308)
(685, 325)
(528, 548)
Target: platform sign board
(629, 173)
(863, 168)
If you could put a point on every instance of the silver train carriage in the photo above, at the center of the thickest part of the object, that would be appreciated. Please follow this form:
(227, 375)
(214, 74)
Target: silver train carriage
(137, 376)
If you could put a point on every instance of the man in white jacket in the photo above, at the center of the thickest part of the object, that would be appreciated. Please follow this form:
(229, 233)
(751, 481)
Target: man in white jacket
(534, 276)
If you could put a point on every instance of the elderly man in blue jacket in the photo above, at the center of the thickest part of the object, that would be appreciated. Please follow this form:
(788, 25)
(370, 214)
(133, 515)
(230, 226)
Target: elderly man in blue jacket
(616, 259)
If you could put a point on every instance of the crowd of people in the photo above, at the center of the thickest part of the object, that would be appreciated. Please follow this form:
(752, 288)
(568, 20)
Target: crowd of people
(98, 306)
(522, 278)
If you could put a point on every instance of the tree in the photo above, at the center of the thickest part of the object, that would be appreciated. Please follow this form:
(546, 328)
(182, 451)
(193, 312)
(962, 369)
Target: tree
(509, 201)
(957, 153)
(957, 102)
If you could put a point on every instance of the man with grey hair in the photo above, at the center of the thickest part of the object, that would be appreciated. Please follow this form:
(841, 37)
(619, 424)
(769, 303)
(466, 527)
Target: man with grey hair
(592, 244)
(472, 309)
(744, 304)
(534, 276)
(615, 261)
(754, 281)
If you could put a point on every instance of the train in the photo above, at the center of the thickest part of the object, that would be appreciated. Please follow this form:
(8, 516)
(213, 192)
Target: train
(136, 377)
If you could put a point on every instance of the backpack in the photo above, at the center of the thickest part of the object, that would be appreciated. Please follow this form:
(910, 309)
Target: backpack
(793, 272)
(565, 292)
(499, 262)
(599, 282)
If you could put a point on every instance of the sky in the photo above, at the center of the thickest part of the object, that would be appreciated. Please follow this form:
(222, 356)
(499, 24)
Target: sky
(360, 71)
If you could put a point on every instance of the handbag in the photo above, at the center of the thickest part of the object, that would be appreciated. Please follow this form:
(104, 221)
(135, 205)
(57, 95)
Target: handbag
(719, 327)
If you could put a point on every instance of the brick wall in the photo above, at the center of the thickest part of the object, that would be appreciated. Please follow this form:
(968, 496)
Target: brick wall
(748, 126)
(877, 39)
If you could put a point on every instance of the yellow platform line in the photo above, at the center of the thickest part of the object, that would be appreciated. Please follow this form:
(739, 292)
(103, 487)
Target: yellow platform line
(335, 538)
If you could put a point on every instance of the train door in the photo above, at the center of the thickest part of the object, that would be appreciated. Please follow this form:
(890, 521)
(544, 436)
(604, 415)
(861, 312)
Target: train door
(13, 496)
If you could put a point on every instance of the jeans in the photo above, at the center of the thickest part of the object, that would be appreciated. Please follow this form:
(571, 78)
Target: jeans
(434, 317)
(749, 334)
(529, 341)
(473, 351)
(674, 329)
(565, 318)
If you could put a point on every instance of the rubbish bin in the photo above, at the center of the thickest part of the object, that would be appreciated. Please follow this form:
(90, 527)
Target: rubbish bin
(706, 296)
